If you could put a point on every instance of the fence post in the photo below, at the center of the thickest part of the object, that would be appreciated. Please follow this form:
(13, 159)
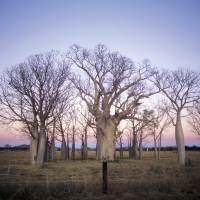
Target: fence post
(104, 175)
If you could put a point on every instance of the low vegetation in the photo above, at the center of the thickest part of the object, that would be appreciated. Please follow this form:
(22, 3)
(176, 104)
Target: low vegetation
(82, 179)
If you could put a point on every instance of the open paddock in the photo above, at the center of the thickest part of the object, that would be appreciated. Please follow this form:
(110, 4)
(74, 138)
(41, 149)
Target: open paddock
(82, 179)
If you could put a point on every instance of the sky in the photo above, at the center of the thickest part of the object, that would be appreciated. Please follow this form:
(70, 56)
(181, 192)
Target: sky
(167, 32)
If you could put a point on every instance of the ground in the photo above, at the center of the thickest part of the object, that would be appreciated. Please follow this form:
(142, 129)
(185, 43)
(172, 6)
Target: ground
(82, 179)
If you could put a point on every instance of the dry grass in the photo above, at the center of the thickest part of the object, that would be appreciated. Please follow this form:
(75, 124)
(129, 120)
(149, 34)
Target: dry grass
(82, 179)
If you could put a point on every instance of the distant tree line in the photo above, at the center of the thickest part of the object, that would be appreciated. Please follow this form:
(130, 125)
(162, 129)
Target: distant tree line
(170, 148)
(13, 149)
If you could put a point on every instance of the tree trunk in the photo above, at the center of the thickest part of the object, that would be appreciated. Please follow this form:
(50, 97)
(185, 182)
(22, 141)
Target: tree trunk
(159, 144)
(73, 144)
(41, 146)
(106, 139)
(52, 148)
(180, 140)
(63, 148)
(67, 148)
(85, 148)
(140, 149)
(130, 147)
(33, 150)
(99, 144)
(135, 151)
(82, 147)
(96, 152)
(121, 148)
(34, 143)
(47, 152)
(155, 149)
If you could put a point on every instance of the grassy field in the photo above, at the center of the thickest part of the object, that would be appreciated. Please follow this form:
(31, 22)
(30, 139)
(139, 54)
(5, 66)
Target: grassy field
(82, 179)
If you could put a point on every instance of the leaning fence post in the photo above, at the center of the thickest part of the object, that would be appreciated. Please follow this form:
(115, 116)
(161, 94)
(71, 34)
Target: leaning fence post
(104, 175)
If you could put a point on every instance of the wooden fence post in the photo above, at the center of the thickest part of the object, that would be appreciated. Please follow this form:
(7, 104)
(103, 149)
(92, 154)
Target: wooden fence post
(105, 183)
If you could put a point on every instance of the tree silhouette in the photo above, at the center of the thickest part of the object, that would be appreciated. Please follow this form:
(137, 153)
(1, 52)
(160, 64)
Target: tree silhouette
(111, 86)
(181, 87)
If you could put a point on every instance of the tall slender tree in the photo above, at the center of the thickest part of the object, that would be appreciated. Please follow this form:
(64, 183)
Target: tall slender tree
(193, 118)
(181, 87)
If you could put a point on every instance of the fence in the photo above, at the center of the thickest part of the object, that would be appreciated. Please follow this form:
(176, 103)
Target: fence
(123, 176)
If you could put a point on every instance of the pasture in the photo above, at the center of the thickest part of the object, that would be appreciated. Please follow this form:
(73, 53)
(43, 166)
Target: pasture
(82, 179)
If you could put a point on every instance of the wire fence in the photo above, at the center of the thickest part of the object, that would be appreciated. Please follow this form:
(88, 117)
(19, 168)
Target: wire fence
(86, 176)
(11, 173)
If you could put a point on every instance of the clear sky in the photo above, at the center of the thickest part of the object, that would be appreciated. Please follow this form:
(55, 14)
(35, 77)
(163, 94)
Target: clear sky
(167, 32)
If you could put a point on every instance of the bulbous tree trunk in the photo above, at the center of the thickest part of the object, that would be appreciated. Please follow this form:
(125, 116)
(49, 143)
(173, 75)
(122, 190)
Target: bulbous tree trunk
(85, 148)
(34, 143)
(99, 136)
(33, 150)
(180, 140)
(135, 151)
(47, 152)
(106, 139)
(63, 149)
(41, 146)
(140, 149)
(52, 149)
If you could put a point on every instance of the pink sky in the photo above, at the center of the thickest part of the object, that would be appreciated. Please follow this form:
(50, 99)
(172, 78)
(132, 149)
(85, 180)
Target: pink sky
(168, 139)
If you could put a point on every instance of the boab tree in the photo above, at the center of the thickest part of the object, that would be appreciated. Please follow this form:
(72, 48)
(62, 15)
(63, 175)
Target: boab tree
(159, 122)
(30, 93)
(193, 118)
(144, 129)
(139, 123)
(181, 87)
(85, 120)
(102, 77)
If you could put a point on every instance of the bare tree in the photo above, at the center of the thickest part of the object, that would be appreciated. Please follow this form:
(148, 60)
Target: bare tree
(119, 136)
(73, 121)
(62, 127)
(121, 147)
(101, 78)
(160, 121)
(30, 93)
(135, 128)
(129, 142)
(194, 117)
(144, 128)
(52, 147)
(7, 145)
(140, 123)
(181, 87)
(86, 121)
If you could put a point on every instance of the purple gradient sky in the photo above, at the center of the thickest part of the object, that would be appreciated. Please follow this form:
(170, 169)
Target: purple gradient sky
(167, 32)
